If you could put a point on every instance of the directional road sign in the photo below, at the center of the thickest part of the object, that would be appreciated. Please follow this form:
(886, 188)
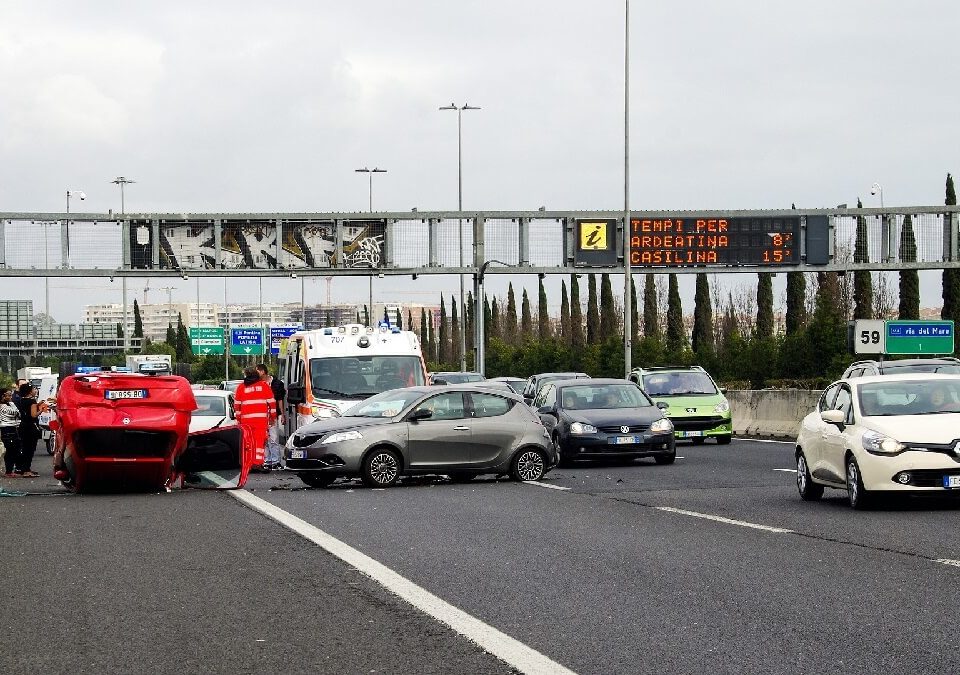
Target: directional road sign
(246, 341)
(919, 337)
(207, 341)
(279, 333)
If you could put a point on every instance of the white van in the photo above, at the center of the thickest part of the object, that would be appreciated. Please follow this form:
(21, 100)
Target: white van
(328, 370)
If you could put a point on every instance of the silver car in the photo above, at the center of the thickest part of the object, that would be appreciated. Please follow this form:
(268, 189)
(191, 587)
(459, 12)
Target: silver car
(460, 430)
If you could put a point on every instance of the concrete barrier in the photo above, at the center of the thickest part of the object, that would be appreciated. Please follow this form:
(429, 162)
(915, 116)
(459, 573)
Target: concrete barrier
(770, 413)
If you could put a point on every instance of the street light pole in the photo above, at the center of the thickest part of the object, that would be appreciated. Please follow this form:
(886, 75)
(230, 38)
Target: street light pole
(370, 173)
(121, 181)
(463, 312)
(627, 271)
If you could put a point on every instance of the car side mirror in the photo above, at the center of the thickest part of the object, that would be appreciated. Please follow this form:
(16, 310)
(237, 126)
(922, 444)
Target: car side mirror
(834, 417)
(723, 390)
(420, 414)
(296, 394)
(528, 399)
(663, 405)
(546, 410)
(439, 381)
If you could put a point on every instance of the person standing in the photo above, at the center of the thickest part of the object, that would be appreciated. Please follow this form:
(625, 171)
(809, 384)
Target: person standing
(9, 433)
(256, 410)
(273, 433)
(29, 429)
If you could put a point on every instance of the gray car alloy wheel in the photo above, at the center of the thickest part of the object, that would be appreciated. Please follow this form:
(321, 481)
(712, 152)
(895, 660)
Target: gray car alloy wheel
(382, 468)
(529, 465)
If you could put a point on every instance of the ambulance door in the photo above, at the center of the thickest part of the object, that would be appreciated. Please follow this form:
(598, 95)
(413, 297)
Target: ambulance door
(216, 459)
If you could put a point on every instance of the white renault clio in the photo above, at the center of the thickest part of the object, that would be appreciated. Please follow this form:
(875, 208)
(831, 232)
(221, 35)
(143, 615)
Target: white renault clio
(887, 433)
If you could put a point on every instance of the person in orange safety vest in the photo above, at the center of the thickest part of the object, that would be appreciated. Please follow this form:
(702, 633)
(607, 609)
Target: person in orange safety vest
(256, 410)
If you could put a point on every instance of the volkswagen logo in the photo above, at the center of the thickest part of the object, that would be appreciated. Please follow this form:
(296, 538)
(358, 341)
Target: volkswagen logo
(624, 430)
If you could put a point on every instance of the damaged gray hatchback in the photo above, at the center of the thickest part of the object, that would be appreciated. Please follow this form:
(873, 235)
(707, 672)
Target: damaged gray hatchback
(461, 431)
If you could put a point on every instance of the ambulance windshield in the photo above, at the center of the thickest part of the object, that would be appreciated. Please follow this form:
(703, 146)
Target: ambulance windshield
(363, 376)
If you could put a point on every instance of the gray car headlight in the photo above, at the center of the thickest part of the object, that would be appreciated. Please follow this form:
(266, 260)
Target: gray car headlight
(881, 443)
(341, 436)
(581, 428)
(661, 426)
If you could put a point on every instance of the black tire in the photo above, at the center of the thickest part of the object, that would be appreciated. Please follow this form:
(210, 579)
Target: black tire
(317, 479)
(381, 468)
(724, 440)
(528, 465)
(698, 441)
(809, 491)
(666, 459)
(857, 495)
(562, 459)
(49, 443)
(462, 477)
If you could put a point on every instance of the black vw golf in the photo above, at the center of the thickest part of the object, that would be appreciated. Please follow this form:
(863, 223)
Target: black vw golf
(604, 418)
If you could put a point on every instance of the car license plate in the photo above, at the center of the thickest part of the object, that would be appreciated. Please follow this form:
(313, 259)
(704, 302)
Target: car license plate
(298, 454)
(691, 434)
(117, 394)
(626, 440)
(44, 419)
(951, 481)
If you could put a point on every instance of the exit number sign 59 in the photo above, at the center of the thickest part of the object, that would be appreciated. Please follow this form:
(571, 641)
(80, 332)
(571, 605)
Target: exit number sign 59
(869, 336)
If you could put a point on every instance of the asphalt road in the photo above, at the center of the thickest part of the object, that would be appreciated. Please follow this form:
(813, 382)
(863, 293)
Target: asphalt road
(713, 564)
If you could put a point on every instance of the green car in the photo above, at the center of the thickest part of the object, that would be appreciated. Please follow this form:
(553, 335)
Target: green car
(691, 399)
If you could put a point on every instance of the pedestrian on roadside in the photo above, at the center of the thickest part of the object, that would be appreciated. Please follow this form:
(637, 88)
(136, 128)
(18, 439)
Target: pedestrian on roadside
(16, 390)
(9, 433)
(256, 410)
(29, 429)
(273, 433)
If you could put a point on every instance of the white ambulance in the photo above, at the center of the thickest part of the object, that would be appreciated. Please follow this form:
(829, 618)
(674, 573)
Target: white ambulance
(328, 370)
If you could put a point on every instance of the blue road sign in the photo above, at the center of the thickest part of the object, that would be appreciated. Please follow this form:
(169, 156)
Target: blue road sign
(280, 333)
(246, 341)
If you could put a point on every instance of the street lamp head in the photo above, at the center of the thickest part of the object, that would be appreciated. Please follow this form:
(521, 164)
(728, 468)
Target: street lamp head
(875, 189)
(376, 170)
(363, 170)
(467, 106)
(452, 106)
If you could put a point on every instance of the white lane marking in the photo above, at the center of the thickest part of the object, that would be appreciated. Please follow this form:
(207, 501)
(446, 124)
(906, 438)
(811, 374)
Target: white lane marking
(545, 485)
(947, 561)
(763, 440)
(787, 470)
(513, 652)
(721, 519)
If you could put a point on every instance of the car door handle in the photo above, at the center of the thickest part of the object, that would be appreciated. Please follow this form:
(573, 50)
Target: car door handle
(461, 428)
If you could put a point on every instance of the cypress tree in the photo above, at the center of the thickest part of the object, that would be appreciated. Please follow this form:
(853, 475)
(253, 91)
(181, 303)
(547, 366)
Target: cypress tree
(469, 326)
(509, 324)
(827, 329)
(423, 328)
(796, 302)
(564, 313)
(862, 280)
(543, 317)
(526, 319)
(455, 351)
(366, 315)
(676, 331)
(651, 315)
(171, 336)
(137, 320)
(432, 338)
(496, 322)
(358, 316)
(764, 326)
(444, 352)
(608, 310)
(577, 338)
(951, 275)
(119, 329)
(909, 279)
(593, 311)
(634, 313)
(487, 319)
(184, 352)
(702, 318)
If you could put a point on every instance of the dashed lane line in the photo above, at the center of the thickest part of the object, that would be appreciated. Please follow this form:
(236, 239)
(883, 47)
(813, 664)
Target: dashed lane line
(509, 650)
(947, 561)
(721, 519)
(536, 483)
(761, 440)
(786, 470)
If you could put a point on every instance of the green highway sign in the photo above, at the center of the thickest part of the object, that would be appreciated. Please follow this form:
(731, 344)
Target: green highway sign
(246, 341)
(207, 341)
(918, 337)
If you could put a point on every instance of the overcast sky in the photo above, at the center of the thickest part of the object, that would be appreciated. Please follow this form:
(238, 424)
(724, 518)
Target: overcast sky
(241, 106)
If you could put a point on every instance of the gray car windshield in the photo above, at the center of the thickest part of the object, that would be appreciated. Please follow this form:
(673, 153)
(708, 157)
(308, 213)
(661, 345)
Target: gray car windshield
(387, 404)
(584, 397)
(363, 376)
(913, 397)
(680, 383)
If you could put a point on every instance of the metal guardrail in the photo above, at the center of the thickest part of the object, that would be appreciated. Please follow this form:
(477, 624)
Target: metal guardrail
(523, 242)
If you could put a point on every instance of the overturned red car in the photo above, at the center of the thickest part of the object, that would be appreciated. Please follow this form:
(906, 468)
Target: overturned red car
(123, 431)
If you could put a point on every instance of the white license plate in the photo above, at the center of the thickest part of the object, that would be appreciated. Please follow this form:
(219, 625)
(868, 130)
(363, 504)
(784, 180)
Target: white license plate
(298, 454)
(627, 440)
(44, 419)
(951, 481)
(691, 434)
(117, 394)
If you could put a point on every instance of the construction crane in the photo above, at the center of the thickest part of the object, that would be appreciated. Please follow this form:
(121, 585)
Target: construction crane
(169, 290)
(329, 281)
(146, 289)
